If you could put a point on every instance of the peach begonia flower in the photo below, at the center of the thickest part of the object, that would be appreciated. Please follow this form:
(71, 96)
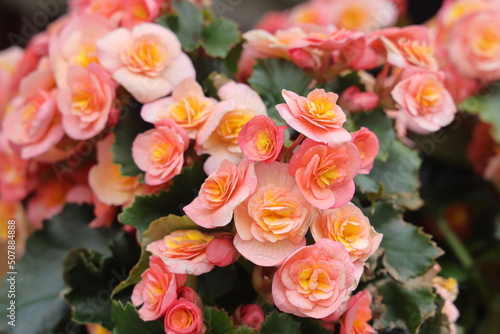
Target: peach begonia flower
(406, 46)
(368, 146)
(313, 281)
(317, 116)
(448, 289)
(9, 59)
(22, 229)
(355, 319)
(261, 140)
(14, 184)
(160, 152)
(272, 223)
(184, 251)
(157, 290)
(188, 107)
(106, 180)
(184, 317)
(86, 102)
(147, 60)
(352, 229)
(221, 193)
(33, 122)
(425, 104)
(75, 44)
(250, 315)
(139, 11)
(325, 175)
(474, 45)
(48, 201)
(221, 251)
(96, 329)
(272, 45)
(364, 15)
(219, 135)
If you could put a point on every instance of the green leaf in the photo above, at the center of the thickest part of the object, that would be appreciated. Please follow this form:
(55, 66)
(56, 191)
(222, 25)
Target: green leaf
(399, 176)
(409, 252)
(271, 76)
(490, 114)
(365, 184)
(280, 323)
(39, 281)
(309, 325)
(218, 321)
(127, 321)
(219, 37)
(128, 127)
(186, 24)
(146, 209)
(377, 122)
(91, 278)
(244, 330)
(406, 307)
(216, 283)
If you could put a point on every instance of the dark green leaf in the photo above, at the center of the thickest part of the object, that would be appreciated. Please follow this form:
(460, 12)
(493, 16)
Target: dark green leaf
(271, 76)
(127, 321)
(128, 127)
(39, 307)
(377, 122)
(91, 278)
(409, 252)
(146, 209)
(216, 283)
(439, 323)
(218, 321)
(406, 307)
(219, 37)
(244, 330)
(399, 175)
(365, 184)
(186, 24)
(309, 325)
(280, 323)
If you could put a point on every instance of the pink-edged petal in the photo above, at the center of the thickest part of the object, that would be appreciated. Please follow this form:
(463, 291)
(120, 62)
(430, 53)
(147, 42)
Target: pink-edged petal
(109, 48)
(144, 89)
(179, 69)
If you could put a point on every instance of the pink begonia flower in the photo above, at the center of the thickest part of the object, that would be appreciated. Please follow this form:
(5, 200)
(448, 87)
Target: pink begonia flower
(14, 183)
(188, 107)
(221, 193)
(221, 251)
(160, 152)
(272, 223)
(9, 59)
(184, 251)
(406, 46)
(96, 329)
(313, 281)
(33, 121)
(109, 9)
(219, 135)
(37, 48)
(250, 315)
(272, 21)
(352, 229)
(186, 293)
(325, 175)
(75, 44)
(368, 146)
(425, 104)
(354, 100)
(459, 86)
(448, 289)
(474, 44)
(355, 319)
(261, 140)
(106, 180)
(317, 116)
(86, 102)
(157, 290)
(184, 317)
(147, 60)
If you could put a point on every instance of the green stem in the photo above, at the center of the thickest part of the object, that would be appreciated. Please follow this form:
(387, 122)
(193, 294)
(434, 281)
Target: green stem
(464, 257)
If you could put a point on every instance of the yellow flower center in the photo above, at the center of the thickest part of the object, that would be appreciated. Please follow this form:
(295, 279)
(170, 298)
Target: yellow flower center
(161, 152)
(190, 111)
(353, 18)
(186, 244)
(124, 182)
(181, 319)
(264, 142)
(430, 94)
(146, 56)
(314, 281)
(86, 55)
(231, 125)
(487, 44)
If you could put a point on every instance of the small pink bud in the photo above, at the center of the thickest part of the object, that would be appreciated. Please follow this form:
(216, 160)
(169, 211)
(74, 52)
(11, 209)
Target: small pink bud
(353, 99)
